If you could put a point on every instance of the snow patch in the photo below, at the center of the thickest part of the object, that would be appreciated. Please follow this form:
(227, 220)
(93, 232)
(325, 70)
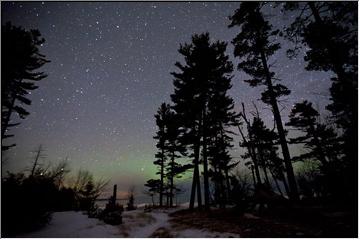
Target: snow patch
(73, 224)
(136, 224)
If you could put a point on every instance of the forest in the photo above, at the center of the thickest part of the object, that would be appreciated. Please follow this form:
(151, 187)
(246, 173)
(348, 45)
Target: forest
(269, 191)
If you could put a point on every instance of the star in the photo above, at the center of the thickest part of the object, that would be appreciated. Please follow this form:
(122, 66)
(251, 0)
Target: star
(110, 71)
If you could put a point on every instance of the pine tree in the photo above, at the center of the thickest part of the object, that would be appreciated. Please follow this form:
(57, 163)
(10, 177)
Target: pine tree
(21, 58)
(261, 144)
(186, 104)
(221, 117)
(253, 47)
(160, 136)
(87, 196)
(329, 31)
(323, 148)
(153, 186)
(248, 143)
(319, 139)
(262, 141)
(174, 150)
(205, 64)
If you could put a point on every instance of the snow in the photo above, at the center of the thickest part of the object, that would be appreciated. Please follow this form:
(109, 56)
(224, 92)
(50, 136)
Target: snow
(74, 224)
(159, 220)
(136, 224)
(196, 233)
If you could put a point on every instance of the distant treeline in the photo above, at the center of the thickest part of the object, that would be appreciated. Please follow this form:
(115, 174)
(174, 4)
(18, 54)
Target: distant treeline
(29, 198)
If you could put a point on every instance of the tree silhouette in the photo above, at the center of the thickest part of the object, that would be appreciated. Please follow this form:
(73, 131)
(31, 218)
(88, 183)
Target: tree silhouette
(21, 59)
(303, 117)
(221, 117)
(153, 186)
(248, 143)
(39, 154)
(320, 140)
(253, 47)
(261, 144)
(174, 149)
(161, 157)
(205, 66)
(329, 31)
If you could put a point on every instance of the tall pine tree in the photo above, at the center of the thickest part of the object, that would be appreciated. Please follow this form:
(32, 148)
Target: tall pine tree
(174, 150)
(304, 117)
(329, 31)
(254, 47)
(220, 118)
(205, 66)
(161, 156)
(20, 60)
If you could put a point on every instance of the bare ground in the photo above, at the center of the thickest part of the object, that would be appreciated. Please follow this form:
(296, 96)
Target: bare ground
(280, 222)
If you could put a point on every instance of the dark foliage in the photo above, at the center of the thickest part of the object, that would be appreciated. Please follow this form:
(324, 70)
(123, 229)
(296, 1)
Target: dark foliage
(241, 193)
(160, 117)
(153, 186)
(254, 45)
(329, 31)
(27, 202)
(321, 140)
(112, 214)
(87, 197)
(202, 83)
(21, 58)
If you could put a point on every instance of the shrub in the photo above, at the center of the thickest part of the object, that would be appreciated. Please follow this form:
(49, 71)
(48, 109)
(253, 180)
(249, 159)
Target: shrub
(27, 202)
(113, 218)
(112, 213)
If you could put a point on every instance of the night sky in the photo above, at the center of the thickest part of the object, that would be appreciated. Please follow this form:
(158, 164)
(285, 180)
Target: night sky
(110, 71)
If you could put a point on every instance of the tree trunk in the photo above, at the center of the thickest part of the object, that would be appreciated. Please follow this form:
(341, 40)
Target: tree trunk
(320, 150)
(198, 189)
(266, 176)
(262, 161)
(284, 147)
(220, 187)
(253, 174)
(193, 188)
(167, 199)
(222, 192)
(227, 179)
(162, 177)
(286, 186)
(252, 154)
(196, 178)
(204, 154)
(36, 161)
(315, 12)
(276, 183)
(172, 179)
(114, 195)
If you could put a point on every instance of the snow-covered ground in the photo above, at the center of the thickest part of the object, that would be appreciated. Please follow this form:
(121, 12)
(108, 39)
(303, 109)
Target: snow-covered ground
(136, 224)
(74, 224)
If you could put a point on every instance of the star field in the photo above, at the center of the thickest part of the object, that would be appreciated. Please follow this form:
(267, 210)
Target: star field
(109, 72)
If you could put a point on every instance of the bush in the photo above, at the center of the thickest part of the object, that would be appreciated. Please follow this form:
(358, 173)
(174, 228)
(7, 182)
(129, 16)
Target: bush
(112, 213)
(66, 200)
(27, 203)
(130, 204)
(240, 193)
(113, 218)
